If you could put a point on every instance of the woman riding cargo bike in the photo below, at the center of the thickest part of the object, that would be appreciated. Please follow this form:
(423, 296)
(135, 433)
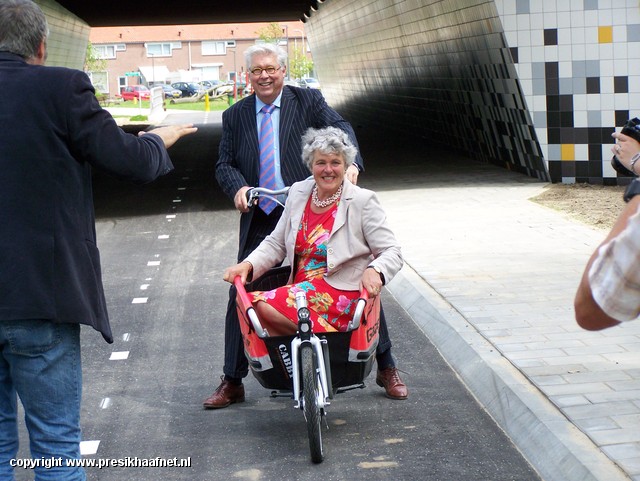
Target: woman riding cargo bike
(336, 238)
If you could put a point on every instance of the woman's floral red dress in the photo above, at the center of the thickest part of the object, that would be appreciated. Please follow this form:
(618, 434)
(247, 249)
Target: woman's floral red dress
(331, 309)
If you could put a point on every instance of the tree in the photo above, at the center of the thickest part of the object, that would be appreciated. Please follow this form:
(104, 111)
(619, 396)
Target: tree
(92, 61)
(272, 33)
(300, 65)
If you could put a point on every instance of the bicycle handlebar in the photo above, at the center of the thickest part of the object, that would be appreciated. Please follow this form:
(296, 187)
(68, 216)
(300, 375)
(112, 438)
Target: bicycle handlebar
(254, 193)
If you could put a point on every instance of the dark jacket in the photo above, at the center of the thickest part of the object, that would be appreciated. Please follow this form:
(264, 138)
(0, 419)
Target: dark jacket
(238, 160)
(53, 132)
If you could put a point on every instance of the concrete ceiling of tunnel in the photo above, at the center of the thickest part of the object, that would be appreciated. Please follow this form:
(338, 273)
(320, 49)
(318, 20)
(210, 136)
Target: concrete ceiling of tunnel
(117, 13)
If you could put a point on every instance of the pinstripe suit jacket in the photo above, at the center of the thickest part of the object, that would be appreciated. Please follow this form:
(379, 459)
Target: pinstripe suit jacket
(238, 157)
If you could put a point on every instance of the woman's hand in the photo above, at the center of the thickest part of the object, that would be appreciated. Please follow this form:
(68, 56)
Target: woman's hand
(625, 148)
(371, 282)
(243, 270)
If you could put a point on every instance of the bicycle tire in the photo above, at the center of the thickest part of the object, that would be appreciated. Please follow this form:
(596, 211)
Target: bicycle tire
(312, 415)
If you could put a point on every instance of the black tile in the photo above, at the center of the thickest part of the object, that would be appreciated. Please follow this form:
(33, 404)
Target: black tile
(621, 117)
(595, 152)
(553, 136)
(567, 135)
(551, 70)
(582, 169)
(566, 103)
(551, 36)
(566, 119)
(555, 170)
(514, 54)
(593, 85)
(552, 86)
(595, 168)
(553, 103)
(553, 119)
(581, 135)
(568, 168)
(621, 85)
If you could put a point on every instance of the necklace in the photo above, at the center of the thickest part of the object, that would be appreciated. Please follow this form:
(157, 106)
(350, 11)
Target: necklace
(326, 202)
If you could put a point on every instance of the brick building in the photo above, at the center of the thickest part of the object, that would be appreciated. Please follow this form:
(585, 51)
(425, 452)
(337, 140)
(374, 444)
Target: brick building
(166, 54)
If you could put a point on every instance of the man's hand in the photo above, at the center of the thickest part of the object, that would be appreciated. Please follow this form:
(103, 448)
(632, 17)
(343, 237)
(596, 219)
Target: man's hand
(240, 199)
(171, 133)
(352, 174)
(625, 148)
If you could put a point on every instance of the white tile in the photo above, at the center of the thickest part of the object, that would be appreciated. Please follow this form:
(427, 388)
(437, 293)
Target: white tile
(524, 38)
(523, 22)
(605, 16)
(577, 36)
(551, 54)
(580, 117)
(621, 101)
(579, 103)
(577, 18)
(578, 51)
(537, 21)
(591, 18)
(564, 69)
(564, 53)
(564, 36)
(509, 23)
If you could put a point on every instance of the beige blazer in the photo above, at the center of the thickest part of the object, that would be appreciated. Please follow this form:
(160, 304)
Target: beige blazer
(360, 237)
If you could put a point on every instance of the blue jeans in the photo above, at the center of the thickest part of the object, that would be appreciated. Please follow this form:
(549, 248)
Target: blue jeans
(40, 361)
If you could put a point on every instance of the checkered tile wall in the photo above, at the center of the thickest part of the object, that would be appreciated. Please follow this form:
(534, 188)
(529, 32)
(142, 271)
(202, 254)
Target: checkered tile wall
(578, 64)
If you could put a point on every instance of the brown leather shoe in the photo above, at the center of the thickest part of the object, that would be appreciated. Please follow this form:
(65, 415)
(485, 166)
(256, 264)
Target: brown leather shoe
(393, 386)
(225, 395)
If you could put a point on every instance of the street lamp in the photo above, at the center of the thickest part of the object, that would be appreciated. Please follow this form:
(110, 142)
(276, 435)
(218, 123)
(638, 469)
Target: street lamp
(304, 50)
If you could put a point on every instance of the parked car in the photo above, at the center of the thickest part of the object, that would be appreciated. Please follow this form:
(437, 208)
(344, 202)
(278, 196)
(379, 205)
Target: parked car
(291, 83)
(243, 88)
(309, 83)
(169, 91)
(135, 92)
(188, 89)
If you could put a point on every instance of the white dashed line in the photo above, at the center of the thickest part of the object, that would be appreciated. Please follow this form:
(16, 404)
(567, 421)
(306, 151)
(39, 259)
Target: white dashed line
(88, 448)
(119, 356)
(126, 336)
(163, 236)
(105, 403)
(153, 263)
(139, 300)
(144, 287)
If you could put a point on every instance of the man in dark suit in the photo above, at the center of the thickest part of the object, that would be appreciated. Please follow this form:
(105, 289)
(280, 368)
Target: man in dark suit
(53, 132)
(238, 168)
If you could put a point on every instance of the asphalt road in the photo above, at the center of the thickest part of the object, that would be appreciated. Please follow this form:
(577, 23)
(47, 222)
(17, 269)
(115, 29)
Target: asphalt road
(164, 247)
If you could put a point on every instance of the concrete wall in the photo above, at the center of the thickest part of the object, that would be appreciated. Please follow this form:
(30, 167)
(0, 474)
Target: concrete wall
(533, 85)
(68, 36)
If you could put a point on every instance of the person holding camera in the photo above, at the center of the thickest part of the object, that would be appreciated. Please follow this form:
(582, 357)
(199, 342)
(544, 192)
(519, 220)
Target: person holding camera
(609, 291)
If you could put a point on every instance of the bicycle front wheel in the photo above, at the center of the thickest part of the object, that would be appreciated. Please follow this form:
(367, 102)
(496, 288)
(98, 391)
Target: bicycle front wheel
(310, 393)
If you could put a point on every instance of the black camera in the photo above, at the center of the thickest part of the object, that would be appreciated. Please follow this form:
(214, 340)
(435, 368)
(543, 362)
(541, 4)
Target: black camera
(631, 129)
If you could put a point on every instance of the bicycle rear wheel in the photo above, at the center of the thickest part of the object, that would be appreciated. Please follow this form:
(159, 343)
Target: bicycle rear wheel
(310, 392)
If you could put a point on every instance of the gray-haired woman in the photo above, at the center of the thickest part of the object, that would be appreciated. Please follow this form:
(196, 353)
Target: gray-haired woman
(335, 236)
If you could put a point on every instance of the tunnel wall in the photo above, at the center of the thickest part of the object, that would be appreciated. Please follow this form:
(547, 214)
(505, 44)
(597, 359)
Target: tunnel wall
(532, 85)
(68, 36)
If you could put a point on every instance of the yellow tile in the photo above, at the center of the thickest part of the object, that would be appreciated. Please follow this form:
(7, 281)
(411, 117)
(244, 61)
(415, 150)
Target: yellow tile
(605, 34)
(567, 152)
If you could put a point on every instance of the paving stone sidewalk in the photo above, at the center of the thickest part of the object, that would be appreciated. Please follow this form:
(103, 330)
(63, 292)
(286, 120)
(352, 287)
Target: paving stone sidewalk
(490, 277)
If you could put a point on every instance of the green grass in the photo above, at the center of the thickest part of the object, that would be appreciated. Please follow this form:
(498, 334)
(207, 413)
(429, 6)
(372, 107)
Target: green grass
(218, 104)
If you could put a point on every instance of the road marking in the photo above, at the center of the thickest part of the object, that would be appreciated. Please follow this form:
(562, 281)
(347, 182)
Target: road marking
(163, 236)
(153, 263)
(139, 300)
(88, 448)
(119, 356)
(126, 336)
(105, 403)
(171, 216)
(144, 287)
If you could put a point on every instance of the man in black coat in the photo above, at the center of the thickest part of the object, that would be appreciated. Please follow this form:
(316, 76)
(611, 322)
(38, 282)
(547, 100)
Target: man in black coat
(53, 131)
(238, 168)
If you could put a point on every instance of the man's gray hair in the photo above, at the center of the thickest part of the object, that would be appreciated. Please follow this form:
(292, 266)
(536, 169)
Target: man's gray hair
(23, 26)
(329, 140)
(265, 49)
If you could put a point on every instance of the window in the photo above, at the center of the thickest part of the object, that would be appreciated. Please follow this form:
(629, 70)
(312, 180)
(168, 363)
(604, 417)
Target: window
(160, 49)
(213, 48)
(105, 51)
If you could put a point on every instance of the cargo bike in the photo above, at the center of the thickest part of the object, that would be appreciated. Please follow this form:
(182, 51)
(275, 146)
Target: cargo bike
(307, 367)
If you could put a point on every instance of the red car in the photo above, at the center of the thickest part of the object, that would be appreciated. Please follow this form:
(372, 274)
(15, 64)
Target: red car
(135, 91)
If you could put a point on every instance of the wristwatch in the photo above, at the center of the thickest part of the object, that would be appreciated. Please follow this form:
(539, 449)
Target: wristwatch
(632, 190)
(377, 269)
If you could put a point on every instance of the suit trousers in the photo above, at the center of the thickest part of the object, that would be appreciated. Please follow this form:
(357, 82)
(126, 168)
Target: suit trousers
(235, 361)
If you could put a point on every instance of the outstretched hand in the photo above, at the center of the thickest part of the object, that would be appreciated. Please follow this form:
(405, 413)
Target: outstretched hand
(171, 133)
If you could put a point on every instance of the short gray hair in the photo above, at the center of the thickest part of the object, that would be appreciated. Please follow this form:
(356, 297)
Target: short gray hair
(329, 140)
(23, 26)
(265, 49)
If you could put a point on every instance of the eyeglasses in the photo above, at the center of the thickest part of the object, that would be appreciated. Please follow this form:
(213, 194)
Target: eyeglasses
(258, 71)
